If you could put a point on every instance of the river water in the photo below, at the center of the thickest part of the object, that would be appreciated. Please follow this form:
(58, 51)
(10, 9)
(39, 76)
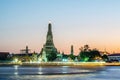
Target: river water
(59, 73)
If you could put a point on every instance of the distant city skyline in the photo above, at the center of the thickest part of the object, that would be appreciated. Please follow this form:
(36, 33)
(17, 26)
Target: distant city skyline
(74, 22)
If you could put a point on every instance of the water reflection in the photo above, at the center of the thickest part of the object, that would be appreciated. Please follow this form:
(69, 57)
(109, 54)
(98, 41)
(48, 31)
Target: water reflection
(46, 70)
(16, 69)
(58, 73)
(40, 70)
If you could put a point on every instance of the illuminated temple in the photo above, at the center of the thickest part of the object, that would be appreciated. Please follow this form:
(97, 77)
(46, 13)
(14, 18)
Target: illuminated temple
(49, 52)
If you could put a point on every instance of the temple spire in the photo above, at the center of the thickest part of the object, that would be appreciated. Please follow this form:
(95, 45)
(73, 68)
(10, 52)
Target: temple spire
(72, 50)
(49, 37)
(49, 28)
(49, 52)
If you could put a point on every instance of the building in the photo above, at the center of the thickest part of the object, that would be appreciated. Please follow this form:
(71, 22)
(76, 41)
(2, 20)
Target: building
(114, 57)
(49, 51)
(25, 55)
(25, 51)
(4, 55)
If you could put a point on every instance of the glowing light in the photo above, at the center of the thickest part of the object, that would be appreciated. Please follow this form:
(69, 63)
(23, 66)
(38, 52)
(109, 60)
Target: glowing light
(49, 21)
(64, 60)
(39, 59)
(16, 67)
(40, 71)
(86, 59)
(15, 60)
(64, 72)
(16, 73)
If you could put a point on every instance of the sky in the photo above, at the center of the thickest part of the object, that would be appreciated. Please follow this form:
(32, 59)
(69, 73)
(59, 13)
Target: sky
(74, 22)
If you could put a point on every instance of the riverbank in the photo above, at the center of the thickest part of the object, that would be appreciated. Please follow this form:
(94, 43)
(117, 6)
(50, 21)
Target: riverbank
(64, 64)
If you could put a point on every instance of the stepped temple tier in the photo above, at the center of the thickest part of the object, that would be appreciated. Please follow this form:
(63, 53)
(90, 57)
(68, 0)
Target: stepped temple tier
(49, 52)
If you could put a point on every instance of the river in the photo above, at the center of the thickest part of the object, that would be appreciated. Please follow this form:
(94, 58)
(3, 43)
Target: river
(17, 72)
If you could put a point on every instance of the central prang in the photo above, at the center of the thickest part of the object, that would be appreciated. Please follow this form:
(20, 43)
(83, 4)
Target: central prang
(49, 52)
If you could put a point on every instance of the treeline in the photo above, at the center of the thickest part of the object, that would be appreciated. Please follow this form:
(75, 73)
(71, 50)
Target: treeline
(87, 55)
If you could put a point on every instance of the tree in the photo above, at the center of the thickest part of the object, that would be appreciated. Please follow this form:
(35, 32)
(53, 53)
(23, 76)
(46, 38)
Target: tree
(105, 57)
(87, 54)
(94, 55)
(84, 56)
(52, 55)
(72, 56)
(86, 47)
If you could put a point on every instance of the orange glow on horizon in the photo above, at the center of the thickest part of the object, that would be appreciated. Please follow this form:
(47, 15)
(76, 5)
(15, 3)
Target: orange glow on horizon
(65, 48)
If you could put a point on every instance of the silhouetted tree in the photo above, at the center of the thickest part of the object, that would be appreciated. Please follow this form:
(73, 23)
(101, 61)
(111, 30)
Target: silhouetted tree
(94, 54)
(87, 54)
(72, 56)
(105, 57)
(52, 55)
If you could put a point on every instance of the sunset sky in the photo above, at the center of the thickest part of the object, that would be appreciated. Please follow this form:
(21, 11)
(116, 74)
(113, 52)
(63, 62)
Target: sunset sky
(74, 22)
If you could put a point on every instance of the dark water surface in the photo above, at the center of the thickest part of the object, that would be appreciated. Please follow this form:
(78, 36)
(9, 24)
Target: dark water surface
(59, 73)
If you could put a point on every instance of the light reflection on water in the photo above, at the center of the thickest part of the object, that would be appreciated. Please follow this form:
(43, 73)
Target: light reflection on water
(58, 73)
